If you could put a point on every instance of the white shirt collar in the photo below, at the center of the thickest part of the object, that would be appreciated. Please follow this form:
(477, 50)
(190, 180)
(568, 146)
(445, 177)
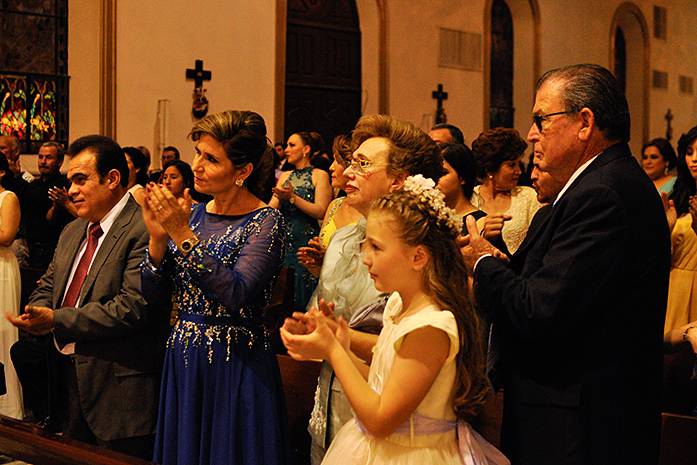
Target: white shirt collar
(108, 220)
(573, 177)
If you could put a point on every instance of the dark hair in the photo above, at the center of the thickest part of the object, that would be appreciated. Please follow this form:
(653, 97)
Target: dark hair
(279, 144)
(243, 135)
(310, 140)
(494, 147)
(594, 87)
(454, 131)
(171, 148)
(60, 150)
(685, 184)
(4, 166)
(108, 155)
(411, 151)
(460, 157)
(184, 169)
(140, 162)
(664, 148)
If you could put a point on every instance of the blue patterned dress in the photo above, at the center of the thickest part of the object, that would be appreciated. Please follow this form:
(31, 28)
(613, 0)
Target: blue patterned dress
(221, 400)
(301, 228)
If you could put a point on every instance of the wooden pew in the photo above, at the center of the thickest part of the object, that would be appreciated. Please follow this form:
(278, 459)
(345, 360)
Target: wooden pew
(678, 440)
(24, 441)
(299, 383)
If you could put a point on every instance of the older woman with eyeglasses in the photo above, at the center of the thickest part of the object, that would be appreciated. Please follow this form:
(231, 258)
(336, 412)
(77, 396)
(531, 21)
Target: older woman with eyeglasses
(388, 151)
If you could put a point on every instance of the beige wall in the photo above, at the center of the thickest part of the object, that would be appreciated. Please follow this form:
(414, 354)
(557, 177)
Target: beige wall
(158, 40)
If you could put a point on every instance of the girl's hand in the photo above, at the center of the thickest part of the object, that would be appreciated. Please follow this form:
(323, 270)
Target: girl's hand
(342, 333)
(316, 345)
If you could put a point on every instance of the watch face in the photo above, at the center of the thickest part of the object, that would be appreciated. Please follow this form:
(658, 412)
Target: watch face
(186, 245)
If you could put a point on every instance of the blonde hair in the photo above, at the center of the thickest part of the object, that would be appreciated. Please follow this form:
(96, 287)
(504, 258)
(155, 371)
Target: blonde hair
(445, 280)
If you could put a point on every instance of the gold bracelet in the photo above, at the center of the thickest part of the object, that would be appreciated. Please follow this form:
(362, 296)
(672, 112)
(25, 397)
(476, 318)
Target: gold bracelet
(684, 333)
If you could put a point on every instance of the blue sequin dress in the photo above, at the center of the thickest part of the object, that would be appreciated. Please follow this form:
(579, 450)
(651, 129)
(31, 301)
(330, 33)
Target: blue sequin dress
(221, 399)
(301, 228)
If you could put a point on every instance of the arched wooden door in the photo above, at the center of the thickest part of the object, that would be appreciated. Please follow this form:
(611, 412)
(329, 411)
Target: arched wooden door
(323, 67)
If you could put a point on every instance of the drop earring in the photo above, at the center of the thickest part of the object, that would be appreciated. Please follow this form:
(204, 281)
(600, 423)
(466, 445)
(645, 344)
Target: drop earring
(239, 182)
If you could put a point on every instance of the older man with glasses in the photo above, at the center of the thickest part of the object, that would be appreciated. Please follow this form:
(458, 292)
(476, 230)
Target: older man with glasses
(580, 307)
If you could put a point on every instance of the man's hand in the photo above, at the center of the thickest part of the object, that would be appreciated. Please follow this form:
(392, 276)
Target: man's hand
(473, 246)
(35, 320)
(493, 225)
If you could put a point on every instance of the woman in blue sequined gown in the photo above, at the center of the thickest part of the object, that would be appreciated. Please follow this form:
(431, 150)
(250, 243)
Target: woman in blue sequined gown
(221, 399)
(302, 195)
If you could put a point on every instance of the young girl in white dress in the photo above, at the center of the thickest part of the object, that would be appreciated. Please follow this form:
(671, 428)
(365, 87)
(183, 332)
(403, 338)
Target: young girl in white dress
(427, 373)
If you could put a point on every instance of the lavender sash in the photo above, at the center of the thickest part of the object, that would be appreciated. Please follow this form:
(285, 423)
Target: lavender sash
(474, 449)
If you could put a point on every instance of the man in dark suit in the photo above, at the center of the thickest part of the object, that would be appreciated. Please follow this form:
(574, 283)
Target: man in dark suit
(580, 308)
(110, 340)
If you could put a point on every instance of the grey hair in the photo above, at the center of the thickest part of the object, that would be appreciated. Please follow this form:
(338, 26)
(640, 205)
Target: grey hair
(594, 87)
(60, 150)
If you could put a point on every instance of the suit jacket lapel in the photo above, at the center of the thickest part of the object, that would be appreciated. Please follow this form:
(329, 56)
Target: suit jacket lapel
(117, 229)
(65, 257)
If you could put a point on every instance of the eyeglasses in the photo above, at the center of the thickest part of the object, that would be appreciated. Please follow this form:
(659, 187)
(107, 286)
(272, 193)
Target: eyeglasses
(362, 166)
(538, 119)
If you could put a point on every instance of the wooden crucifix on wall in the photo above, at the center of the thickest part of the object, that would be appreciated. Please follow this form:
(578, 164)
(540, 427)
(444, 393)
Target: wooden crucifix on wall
(199, 108)
(440, 95)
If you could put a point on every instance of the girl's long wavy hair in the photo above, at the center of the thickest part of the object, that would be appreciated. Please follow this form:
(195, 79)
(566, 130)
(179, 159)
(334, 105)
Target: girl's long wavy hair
(445, 280)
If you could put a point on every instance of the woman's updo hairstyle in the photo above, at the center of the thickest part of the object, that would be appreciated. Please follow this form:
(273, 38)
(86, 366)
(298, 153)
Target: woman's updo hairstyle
(494, 147)
(243, 135)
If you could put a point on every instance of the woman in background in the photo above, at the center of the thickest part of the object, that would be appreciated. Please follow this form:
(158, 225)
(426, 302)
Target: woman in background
(657, 159)
(497, 153)
(302, 195)
(137, 173)
(10, 286)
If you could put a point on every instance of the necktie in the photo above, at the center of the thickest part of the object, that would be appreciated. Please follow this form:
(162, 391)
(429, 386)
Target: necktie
(83, 266)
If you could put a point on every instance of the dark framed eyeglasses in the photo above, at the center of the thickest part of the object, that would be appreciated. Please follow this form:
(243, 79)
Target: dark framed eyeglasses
(538, 119)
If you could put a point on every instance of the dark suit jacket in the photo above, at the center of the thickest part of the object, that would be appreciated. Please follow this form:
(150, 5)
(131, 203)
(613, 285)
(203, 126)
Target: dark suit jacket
(580, 310)
(119, 338)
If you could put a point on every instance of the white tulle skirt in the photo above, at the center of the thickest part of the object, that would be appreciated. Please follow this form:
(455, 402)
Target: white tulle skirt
(10, 285)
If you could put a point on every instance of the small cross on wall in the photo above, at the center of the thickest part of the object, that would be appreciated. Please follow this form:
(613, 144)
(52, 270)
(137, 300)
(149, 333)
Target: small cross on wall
(440, 95)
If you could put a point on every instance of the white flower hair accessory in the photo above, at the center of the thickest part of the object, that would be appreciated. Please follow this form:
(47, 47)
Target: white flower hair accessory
(425, 191)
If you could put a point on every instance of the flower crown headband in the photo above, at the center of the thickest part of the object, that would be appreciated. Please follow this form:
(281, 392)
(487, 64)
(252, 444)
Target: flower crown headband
(426, 193)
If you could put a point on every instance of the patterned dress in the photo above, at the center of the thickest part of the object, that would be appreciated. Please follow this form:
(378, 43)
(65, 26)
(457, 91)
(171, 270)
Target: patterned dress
(221, 399)
(301, 228)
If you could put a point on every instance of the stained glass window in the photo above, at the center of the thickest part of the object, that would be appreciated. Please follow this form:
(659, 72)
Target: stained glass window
(13, 107)
(33, 71)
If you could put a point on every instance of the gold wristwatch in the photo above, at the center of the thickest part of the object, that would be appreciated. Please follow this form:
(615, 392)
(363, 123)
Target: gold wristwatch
(187, 245)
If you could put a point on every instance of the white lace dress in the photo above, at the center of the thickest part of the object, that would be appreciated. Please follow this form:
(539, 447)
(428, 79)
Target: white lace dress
(430, 436)
(523, 207)
(10, 403)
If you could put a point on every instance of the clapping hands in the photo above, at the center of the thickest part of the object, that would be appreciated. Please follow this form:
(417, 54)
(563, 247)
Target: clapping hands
(311, 256)
(312, 335)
